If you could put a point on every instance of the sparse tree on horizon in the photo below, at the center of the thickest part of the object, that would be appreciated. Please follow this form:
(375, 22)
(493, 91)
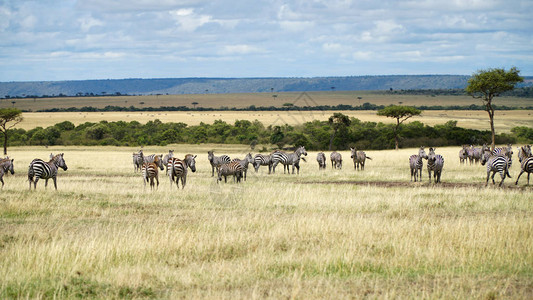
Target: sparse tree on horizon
(9, 115)
(400, 113)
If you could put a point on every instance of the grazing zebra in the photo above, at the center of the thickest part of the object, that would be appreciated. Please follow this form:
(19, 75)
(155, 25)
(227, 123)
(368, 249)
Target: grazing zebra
(336, 160)
(416, 163)
(321, 159)
(216, 161)
(435, 164)
(496, 163)
(359, 158)
(463, 154)
(167, 157)
(244, 163)
(527, 166)
(288, 159)
(262, 160)
(178, 169)
(232, 168)
(150, 172)
(40, 169)
(6, 165)
(138, 159)
(524, 152)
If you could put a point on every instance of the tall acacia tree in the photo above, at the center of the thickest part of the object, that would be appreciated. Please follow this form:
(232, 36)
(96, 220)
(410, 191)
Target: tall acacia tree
(8, 115)
(487, 84)
(400, 113)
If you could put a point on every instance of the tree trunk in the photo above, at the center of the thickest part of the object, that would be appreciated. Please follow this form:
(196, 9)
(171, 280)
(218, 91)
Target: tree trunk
(396, 139)
(5, 143)
(490, 111)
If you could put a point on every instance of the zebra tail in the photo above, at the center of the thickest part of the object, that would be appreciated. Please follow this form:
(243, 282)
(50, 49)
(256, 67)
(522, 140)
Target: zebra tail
(507, 172)
(368, 157)
(30, 172)
(303, 158)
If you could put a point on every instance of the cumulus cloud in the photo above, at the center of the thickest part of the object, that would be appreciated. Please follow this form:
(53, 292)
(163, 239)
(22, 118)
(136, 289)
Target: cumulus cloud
(181, 38)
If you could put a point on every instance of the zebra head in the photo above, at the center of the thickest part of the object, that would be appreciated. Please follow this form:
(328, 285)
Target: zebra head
(249, 159)
(485, 157)
(158, 160)
(7, 165)
(354, 152)
(59, 161)
(191, 162)
(210, 156)
(431, 156)
(301, 150)
(422, 153)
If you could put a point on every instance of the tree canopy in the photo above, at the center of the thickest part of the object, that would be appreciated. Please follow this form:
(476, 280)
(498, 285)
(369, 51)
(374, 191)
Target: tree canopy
(8, 115)
(400, 113)
(487, 84)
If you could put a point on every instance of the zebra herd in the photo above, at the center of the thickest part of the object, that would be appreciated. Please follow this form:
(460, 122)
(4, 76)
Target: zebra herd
(176, 168)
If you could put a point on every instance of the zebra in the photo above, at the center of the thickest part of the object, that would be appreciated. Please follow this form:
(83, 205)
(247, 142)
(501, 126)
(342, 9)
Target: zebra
(321, 159)
(38, 169)
(477, 153)
(138, 159)
(524, 152)
(262, 160)
(416, 163)
(359, 158)
(435, 164)
(178, 169)
(463, 154)
(232, 168)
(288, 159)
(336, 160)
(6, 165)
(507, 151)
(167, 157)
(216, 161)
(244, 163)
(527, 166)
(150, 172)
(470, 154)
(496, 163)
(152, 158)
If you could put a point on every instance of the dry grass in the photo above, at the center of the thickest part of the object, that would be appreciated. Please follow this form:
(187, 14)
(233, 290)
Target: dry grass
(504, 120)
(258, 99)
(101, 235)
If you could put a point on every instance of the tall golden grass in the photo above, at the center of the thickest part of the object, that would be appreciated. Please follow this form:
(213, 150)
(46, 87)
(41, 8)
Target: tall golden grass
(321, 234)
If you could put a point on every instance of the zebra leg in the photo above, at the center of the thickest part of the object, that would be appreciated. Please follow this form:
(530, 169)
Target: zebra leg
(46, 182)
(157, 179)
(212, 170)
(519, 177)
(35, 183)
(503, 178)
(183, 181)
(274, 167)
(429, 175)
(55, 182)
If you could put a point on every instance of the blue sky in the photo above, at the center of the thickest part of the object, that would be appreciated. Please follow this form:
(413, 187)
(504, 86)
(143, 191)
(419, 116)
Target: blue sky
(100, 39)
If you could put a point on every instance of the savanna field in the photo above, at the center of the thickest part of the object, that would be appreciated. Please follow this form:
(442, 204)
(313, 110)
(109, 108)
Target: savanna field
(320, 234)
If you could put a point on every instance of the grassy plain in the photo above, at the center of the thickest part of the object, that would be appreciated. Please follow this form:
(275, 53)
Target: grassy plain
(321, 234)
(504, 120)
(258, 99)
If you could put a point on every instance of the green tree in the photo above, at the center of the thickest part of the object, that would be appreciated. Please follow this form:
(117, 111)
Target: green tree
(8, 115)
(487, 84)
(338, 122)
(400, 113)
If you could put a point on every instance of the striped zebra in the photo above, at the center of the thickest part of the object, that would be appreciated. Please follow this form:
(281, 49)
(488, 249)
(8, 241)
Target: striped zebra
(496, 163)
(288, 159)
(435, 164)
(477, 154)
(178, 169)
(524, 152)
(40, 169)
(216, 161)
(321, 159)
(150, 172)
(262, 160)
(232, 168)
(416, 163)
(527, 166)
(336, 160)
(153, 158)
(463, 154)
(507, 151)
(6, 165)
(166, 158)
(359, 158)
(138, 159)
(245, 162)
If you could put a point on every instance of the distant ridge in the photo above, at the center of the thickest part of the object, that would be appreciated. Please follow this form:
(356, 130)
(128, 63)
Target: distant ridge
(230, 85)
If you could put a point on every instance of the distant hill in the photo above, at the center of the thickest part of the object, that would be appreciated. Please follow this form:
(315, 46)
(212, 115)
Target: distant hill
(231, 85)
